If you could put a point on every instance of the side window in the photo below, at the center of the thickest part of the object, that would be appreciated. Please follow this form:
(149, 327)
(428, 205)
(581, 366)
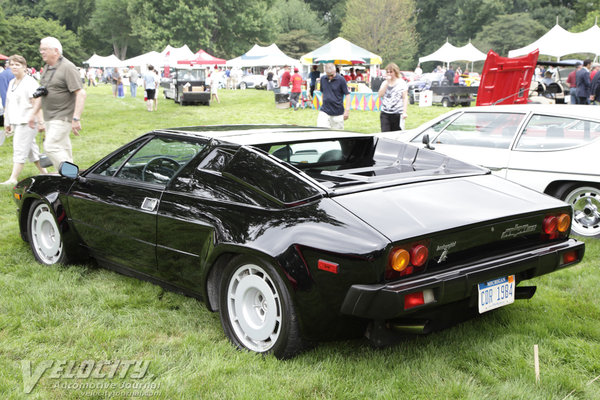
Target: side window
(157, 161)
(433, 130)
(545, 132)
(112, 165)
(495, 130)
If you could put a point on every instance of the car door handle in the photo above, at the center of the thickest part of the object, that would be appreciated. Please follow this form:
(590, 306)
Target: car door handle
(149, 204)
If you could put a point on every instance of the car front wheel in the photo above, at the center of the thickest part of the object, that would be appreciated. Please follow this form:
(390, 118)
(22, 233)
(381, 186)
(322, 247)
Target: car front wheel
(586, 208)
(256, 309)
(44, 235)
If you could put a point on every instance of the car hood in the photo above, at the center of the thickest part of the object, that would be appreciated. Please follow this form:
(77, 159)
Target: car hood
(414, 210)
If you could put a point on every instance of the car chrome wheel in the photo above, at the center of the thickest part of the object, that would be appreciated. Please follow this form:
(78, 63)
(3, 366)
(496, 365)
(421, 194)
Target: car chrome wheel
(44, 235)
(586, 210)
(254, 307)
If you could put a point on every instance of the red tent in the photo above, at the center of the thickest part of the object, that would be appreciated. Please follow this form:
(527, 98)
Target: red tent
(202, 58)
(3, 57)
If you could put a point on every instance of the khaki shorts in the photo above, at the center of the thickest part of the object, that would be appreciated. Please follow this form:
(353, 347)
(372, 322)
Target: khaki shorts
(330, 121)
(57, 144)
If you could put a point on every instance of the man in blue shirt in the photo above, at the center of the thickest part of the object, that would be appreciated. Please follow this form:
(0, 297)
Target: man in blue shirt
(314, 75)
(334, 88)
(5, 77)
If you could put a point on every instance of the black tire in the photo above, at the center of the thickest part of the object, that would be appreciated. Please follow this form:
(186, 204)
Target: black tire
(243, 85)
(445, 102)
(256, 309)
(45, 237)
(411, 99)
(585, 200)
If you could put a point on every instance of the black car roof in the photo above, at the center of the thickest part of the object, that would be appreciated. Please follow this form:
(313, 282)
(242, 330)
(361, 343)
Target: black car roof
(261, 134)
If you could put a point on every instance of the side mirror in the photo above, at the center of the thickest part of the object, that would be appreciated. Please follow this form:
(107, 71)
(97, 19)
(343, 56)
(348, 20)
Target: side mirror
(426, 142)
(68, 170)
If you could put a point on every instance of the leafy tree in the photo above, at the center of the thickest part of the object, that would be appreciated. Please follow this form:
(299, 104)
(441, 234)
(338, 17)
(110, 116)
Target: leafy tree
(24, 36)
(25, 8)
(72, 13)
(508, 32)
(237, 29)
(385, 27)
(332, 13)
(110, 34)
(300, 29)
(587, 22)
(174, 22)
(296, 43)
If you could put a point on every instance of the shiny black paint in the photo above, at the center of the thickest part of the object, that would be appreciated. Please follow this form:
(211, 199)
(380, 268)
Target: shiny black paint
(205, 216)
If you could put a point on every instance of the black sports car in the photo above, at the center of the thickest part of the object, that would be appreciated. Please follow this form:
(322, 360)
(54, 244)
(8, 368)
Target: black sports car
(300, 234)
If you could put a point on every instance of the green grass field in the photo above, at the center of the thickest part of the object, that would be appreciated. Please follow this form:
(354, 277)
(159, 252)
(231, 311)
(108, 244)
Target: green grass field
(78, 313)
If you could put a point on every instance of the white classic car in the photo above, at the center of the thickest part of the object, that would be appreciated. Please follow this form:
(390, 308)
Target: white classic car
(549, 148)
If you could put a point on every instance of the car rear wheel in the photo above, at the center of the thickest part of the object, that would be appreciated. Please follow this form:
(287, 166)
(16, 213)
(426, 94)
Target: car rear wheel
(586, 208)
(256, 309)
(44, 235)
(243, 85)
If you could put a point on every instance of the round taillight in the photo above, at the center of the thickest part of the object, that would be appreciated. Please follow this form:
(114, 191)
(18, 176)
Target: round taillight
(418, 255)
(399, 260)
(564, 221)
(550, 224)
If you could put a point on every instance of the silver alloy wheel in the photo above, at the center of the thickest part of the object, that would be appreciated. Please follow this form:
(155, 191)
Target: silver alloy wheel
(45, 236)
(254, 308)
(586, 205)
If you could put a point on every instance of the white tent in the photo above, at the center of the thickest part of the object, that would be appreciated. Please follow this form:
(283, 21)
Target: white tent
(259, 56)
(173, 54)
(169, 56)
(103, 62)
(150, 58)
(449, 53)
(468, 52)
(556, 43)
(588, 41)
(444, 54)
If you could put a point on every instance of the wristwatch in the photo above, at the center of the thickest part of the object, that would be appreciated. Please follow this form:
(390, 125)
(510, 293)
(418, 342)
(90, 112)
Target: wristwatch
(76, 119)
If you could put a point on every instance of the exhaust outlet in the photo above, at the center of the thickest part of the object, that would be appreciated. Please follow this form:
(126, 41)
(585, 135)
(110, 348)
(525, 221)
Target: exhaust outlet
(525, 292)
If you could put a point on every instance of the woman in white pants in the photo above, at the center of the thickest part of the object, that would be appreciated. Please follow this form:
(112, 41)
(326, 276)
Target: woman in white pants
(19, 105)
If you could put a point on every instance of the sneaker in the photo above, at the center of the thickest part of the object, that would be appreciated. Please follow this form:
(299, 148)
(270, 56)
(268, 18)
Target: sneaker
(10, 182)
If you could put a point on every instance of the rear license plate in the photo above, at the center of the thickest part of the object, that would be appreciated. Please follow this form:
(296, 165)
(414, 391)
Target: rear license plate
(496, 293)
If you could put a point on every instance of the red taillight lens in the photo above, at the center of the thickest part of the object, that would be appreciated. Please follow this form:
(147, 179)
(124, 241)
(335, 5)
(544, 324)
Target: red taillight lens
(569, 257)
(418, 255)
(550, 225)
(413, 300)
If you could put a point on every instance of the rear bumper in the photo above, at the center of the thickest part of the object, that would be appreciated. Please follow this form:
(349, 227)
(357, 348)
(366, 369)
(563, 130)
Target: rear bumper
(386, 301)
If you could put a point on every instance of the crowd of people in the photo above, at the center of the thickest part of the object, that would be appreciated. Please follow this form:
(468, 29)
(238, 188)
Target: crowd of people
(55, 104)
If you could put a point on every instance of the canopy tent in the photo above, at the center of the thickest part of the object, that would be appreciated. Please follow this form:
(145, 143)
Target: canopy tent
(173, 54)
(3, 57)
(448, 53)
(259, 56)
(558, 42)
(340, 51)
(103, 62)
(202, 58)
(150, 58)
(168, 57)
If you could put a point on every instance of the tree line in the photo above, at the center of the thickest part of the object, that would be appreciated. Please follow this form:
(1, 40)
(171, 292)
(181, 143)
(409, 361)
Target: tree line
(398, 30)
